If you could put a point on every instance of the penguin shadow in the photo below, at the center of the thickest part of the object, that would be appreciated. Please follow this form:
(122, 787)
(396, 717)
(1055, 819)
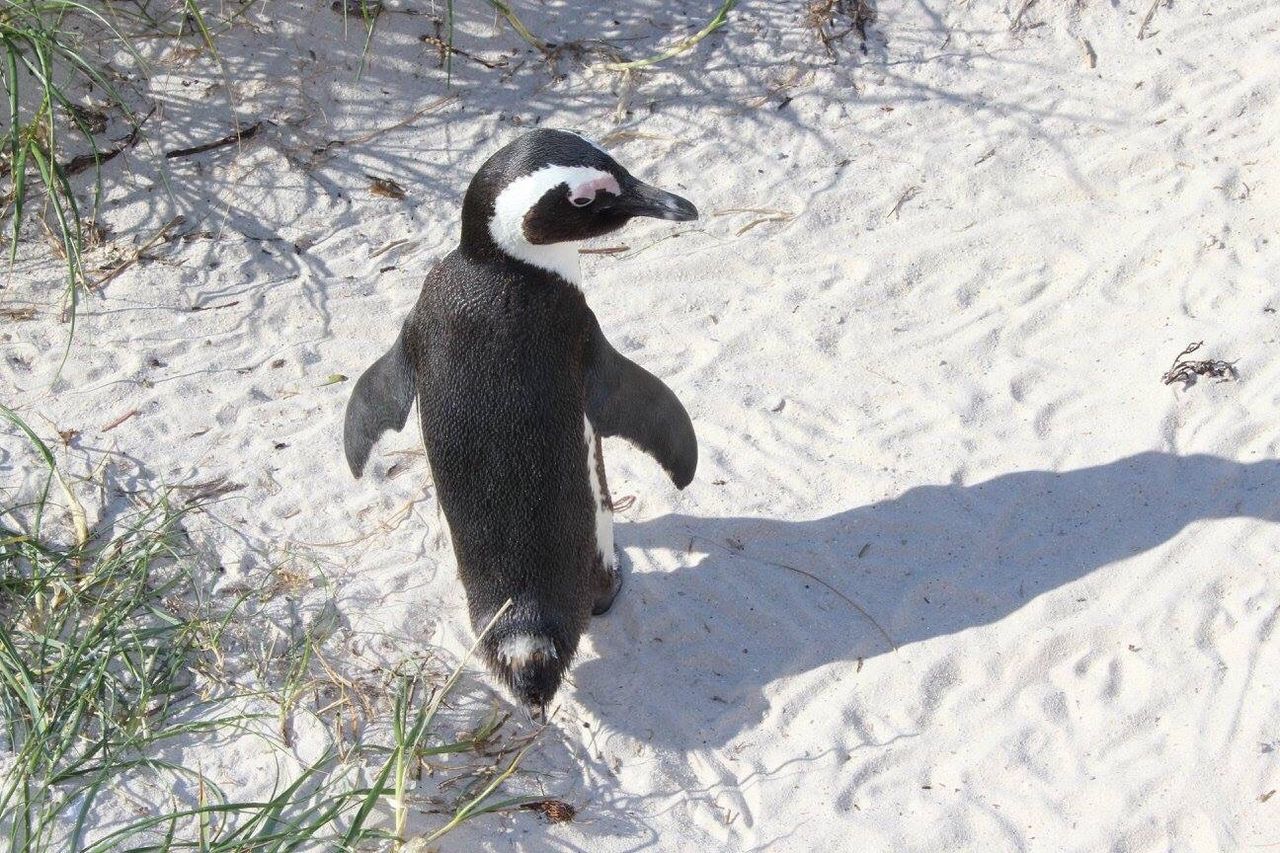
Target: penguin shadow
(686, 657)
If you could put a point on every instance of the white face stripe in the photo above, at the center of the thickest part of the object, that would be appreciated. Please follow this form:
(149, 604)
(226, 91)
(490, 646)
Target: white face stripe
(604, 515)
(509, 209)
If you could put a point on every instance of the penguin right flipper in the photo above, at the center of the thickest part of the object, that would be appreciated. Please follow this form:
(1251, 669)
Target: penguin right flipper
(624, 399)
(380, 401)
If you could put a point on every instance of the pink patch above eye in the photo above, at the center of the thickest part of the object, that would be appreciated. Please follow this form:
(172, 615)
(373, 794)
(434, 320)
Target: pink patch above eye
(587, 192)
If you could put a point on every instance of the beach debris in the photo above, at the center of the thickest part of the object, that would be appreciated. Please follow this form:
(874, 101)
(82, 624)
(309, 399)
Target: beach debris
(821, 17)
(215, 488)
(140, 253)
(763, 215)
(120, 420)
(334, 379)
(17, 314)
(78, 164)
(447, 49)
(394, 244)
(358, 8)
(230, 304)
(555, 811)
(1090, 55)
(1142, 28)
(323, 151)
(1016, 23)
(239, 135)
(385, 187)
(1186, 371)
(784, 89)
(93, 119)
(907, 194)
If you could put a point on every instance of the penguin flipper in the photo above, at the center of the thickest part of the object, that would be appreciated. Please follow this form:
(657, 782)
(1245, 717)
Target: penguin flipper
(624, 399)
(380, 401)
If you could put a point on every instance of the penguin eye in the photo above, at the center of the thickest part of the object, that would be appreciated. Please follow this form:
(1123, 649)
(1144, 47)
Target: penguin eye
(581, 201)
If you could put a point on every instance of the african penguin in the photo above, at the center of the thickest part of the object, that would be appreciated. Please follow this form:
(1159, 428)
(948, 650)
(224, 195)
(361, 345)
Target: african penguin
(516, 384)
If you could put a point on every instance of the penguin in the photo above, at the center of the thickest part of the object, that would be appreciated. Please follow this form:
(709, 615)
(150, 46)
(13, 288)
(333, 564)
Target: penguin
(516, 386)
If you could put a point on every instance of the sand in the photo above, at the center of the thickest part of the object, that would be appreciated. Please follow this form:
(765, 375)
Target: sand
(958, 571)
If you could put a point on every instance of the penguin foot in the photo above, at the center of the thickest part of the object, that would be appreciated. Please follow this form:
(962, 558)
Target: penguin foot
(608, 581)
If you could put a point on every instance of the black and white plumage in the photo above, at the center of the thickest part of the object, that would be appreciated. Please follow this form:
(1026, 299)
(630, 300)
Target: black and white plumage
(516, 384)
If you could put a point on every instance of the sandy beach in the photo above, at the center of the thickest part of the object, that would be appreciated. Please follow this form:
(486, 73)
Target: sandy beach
(958, 571)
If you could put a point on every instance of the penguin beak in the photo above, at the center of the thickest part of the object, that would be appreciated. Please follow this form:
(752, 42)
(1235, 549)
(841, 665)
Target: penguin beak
(640, 199)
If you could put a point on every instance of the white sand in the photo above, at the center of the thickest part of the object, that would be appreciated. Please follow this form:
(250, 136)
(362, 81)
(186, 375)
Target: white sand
(934, 388)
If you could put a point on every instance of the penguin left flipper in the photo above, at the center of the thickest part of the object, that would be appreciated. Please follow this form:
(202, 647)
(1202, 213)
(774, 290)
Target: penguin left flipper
(380, 401)
(624, 399)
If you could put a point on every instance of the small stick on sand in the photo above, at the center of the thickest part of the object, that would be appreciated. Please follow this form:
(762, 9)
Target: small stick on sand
(231, 139)
(373, 134)
(1142, 28)
(139, 253)
(1022, 10)
(768, 215)
(1090, 55)
(907, 194)
(109, 427)
(78, 164)
(394, 244)
(231, 304)
(445, 49)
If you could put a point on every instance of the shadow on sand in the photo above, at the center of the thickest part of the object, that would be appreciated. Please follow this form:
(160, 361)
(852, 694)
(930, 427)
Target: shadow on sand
(932, 562)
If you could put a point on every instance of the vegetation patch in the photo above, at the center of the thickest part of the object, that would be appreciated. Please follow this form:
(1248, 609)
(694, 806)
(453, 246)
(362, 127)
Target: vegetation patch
(112, 658)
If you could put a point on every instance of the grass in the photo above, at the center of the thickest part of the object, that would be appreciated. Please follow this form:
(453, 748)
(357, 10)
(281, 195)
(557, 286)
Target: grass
(44, 58)
(53, 53)
(718, 20)
(108, 656)
(48, 61)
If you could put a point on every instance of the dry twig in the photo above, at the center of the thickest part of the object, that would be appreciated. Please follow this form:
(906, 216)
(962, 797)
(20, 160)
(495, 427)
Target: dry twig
(1186, 371)
(1142, 28)
(907, 194)
(120, 420)
(76, 165)
(140, 252)
(821, 17)
(230, 139)
(446, 49)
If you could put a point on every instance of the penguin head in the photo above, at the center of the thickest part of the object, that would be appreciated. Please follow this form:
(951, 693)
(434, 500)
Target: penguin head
(544, 193)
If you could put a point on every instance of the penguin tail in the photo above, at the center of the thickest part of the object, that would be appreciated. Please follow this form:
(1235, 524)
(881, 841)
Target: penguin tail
(529, 657)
